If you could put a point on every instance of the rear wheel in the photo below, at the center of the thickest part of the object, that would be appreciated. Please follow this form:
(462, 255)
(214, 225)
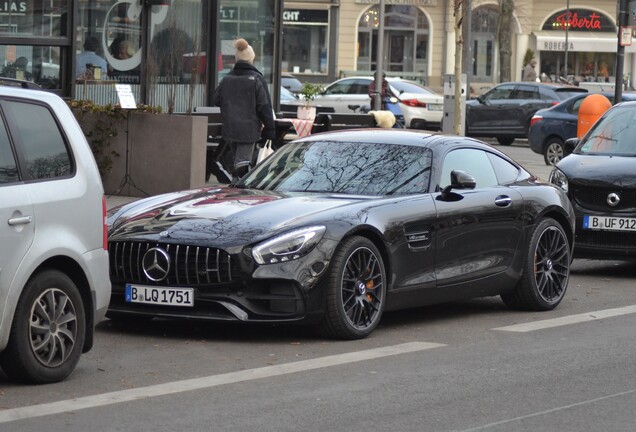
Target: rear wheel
(547, 270)
(356, 290)
(553, 151)
(47, 334)
(505, 141)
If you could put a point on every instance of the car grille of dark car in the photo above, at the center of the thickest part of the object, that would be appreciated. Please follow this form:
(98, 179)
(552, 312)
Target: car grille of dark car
(189, 265)
(605, 239)
(596, 198)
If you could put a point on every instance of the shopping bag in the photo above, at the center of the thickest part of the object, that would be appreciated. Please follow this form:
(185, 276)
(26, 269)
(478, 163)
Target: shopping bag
(265, 151)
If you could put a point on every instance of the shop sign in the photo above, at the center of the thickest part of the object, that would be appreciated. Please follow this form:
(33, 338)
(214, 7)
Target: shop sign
(13, 6)
(229, 13)
(579, 20)
(400, 2)
(305, 16)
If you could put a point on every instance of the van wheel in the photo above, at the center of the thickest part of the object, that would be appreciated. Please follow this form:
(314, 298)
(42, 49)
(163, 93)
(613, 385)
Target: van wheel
(48, 329)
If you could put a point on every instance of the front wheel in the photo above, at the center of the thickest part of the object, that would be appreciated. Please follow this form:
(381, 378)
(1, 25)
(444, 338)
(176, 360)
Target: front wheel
(48, 330)
(553, 151)
(356, 290)
(547, 270)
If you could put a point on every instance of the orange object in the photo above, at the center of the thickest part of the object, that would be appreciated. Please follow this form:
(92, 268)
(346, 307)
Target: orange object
(592, 108)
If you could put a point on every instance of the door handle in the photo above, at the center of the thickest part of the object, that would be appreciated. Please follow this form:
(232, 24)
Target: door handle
(503, 201)
(20, 220)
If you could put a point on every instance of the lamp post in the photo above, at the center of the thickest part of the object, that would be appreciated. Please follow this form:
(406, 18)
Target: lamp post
(567, 27)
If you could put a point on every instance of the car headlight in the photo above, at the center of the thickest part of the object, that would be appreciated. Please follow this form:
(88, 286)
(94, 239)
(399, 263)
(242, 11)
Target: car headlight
(558, 178)
(288, 246)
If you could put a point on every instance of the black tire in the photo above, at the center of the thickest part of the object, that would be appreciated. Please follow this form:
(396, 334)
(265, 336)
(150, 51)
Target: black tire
(505, 141)
(356, 290)
(553, 151)
(44, 347)
(547, 270)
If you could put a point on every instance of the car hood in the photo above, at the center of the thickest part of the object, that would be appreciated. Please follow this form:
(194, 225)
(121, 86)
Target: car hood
(227, 216)
(600, 171)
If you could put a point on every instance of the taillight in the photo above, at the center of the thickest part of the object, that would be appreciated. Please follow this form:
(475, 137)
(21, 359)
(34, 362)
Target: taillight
(555, 103)
(414, 103)
(535, 119)
(105, 227)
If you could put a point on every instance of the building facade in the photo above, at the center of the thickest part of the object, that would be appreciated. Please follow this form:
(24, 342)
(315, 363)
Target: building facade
(419, 40)
(173, 52)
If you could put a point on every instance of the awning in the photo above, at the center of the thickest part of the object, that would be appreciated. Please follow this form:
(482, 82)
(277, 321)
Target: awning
(579, 42)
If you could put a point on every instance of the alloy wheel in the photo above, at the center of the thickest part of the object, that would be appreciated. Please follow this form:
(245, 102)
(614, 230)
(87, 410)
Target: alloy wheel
(363, 288)
(52, 327)
(551, 264)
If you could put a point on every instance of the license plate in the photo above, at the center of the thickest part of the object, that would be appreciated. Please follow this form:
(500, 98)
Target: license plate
(435, 107)
(159, 295)
(607, 223)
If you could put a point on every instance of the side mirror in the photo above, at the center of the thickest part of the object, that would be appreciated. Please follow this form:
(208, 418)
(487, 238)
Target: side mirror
(570, 145)
(459, 180)
(481, 99)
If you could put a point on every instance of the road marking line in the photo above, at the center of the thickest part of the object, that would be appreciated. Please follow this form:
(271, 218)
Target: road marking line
(570, 319)
(104, 399)
(548, 411)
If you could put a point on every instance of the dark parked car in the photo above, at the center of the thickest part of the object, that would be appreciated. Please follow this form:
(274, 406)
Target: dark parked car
(336, 228)
(504, 111)
(550, 127)
(600, 179)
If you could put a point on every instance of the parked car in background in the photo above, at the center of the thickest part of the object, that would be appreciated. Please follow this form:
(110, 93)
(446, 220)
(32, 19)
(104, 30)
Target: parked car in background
(505, 111)
(422, 108)
(314, 235)
(600, 180)
(54, 284)
(287, 97)
(290, 82)
(550, 127)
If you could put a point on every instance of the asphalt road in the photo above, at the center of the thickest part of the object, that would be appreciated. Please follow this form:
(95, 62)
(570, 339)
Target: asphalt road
(464, 366)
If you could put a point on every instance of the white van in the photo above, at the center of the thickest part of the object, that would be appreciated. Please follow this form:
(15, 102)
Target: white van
(54, 283)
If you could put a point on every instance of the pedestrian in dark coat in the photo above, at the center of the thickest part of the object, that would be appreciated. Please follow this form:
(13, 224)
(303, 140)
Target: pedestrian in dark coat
(246, 109)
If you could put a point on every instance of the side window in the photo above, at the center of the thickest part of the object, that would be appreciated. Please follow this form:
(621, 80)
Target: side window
(360, 87)
(576, 105)
(501, 92)
(8, 167)
(472, 161)
(40, 142)
(526, 92)
(340, 88)
(506, 172)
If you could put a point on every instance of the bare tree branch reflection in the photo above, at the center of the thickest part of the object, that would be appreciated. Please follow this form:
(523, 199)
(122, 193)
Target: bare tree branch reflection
(346, 167)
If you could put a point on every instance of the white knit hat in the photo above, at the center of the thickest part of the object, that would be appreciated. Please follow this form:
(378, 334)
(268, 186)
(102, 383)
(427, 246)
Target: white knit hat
(244, 51)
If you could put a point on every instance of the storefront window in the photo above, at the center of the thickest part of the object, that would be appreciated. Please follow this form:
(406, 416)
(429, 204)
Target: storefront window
(252, 20)
(305, 41)
(36, 59)
(484, 28)
(175, 67)
(406, 39)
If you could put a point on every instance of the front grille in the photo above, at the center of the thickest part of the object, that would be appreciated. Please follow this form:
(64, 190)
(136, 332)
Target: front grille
(189, 265)
(595, 198)
(606, 239)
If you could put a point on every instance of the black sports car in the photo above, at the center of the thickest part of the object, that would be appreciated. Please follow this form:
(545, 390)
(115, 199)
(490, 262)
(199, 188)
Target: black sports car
(336, 228)
(600, 179)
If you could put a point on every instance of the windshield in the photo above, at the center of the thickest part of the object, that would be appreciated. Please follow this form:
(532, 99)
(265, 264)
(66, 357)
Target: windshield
(613, 134)
(344, 167)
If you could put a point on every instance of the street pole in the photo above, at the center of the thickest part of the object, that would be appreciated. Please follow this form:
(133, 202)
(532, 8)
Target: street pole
(379, 59)
(620, 52)
(567, 28)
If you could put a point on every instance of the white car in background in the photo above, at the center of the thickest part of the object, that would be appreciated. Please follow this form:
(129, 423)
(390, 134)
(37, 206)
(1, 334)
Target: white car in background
(422, 108)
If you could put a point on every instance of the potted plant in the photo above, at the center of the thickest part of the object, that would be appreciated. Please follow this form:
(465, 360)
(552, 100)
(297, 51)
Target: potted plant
(308, 92)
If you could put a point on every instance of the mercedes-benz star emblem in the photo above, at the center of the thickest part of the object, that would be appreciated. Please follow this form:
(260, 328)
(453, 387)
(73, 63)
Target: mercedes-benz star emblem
(156, 264)
(613, 199)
